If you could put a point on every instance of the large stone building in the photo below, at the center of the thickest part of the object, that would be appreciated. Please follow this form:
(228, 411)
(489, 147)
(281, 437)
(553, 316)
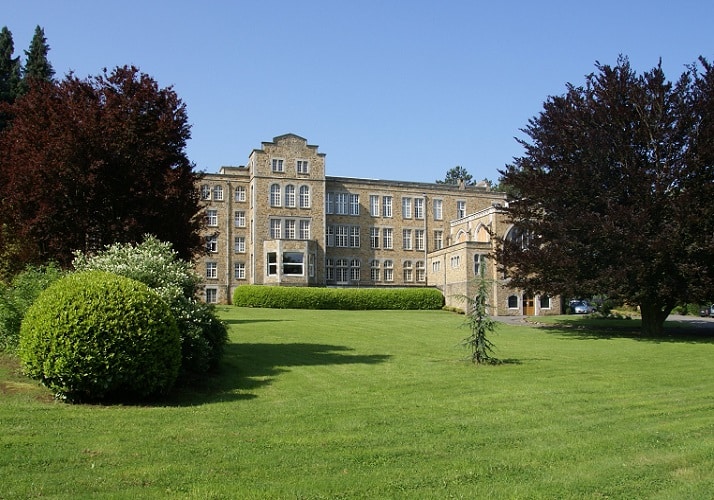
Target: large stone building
(280, 220)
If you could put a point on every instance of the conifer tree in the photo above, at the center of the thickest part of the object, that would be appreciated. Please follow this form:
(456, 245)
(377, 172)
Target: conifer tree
(9, 72)
(37, 66)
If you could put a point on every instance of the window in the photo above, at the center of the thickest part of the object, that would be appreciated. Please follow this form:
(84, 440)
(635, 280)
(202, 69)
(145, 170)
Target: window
(329, 208)
(544, 302)
(438, 210)
(275, 197)
(354, 204)
(479, 267)
(330, 236)
(272, 259)
(290, 229)
(438, 240)
(435, 266)
(407, 239)
(329, 269)
(418, 208)
(212, 244)
(239, 270)
(304, 197)
(211, 295)
(387, 238)
(304, 230)
(239, 217)
(341, 270)
(354, 237)
(211, 270)
(388, 270)
(386, 206)
(341, 203)
(408, 271)
(311, 265)
(374, 237)
(460, 209)
(212, 218)
(455, 262)
(290, 195)
(407, 208)
(240, 193)
(374, 270)
(293, 263)
(419, 239)
(218, 193)
(355, 270)
(239, 244)
(277, 165)
(374, 205)
(341, 236)
(420, 271)
(513, 301)
(276, 229)
(205, 192)
(302, 167)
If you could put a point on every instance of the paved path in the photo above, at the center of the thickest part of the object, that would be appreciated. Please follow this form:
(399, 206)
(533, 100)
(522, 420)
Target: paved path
(696, 321)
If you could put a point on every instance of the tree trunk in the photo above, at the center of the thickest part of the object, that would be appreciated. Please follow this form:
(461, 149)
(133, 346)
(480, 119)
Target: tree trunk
(653, 316)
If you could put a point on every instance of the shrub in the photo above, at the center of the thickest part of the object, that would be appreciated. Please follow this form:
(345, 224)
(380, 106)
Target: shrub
(17, 298)
(337, 298)
(157, 265)
(95, 335)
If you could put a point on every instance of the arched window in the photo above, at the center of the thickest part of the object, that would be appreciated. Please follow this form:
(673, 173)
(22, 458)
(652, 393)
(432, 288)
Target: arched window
(275, 200)
(513, 301)
(304, 197)
(517, 236)
(289, 195)
(408, 271)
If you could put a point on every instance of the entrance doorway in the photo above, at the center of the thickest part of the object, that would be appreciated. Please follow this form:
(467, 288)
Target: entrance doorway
(528, 305)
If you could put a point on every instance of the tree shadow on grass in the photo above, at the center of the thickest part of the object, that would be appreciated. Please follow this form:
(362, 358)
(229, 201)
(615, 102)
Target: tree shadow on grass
(247, 367)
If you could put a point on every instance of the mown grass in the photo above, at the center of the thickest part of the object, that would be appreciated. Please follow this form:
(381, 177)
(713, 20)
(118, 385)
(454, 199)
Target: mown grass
(383, 404)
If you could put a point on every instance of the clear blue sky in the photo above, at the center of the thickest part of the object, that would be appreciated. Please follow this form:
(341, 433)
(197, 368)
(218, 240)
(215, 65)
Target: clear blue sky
(388, 89)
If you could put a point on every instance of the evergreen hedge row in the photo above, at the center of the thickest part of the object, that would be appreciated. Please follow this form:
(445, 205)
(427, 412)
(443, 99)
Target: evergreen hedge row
(283, 297)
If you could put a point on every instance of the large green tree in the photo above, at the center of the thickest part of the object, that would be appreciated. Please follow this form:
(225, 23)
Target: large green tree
(37, 66)
(9, 71)
(455, 175)
(93, 162)
(617, 192)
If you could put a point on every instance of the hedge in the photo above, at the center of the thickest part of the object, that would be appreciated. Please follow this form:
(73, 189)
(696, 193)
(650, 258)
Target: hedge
(284, 297)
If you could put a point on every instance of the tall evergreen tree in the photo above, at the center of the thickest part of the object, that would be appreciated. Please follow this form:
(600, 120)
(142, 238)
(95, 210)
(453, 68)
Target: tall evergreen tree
(37, 66)
(9, 72)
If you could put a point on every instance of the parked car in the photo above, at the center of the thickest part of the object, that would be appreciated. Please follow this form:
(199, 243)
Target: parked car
(581, 307)
(707, 311)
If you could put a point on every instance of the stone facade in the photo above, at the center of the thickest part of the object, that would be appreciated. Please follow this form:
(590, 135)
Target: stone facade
(281, 221)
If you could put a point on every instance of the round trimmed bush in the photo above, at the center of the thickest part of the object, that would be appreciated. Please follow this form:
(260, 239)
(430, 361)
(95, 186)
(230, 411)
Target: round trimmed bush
(94, 335)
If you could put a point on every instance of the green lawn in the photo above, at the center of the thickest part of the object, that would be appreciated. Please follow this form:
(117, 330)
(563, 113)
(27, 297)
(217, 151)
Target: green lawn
(382, 404)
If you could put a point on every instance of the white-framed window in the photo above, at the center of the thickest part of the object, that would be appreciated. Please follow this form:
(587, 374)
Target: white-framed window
(355, 266)
(330, 269)
(275, 195)
(513, 301)
(419, 239)
(205, 192)
(330, 236)
(277, 165)
(407, 239)
(460, 209)
(373, 237)
(272, 261)
(212, 270)
(545, 302)
(218, 193)
(240, 193)
(311, 265)
(290, 196)
(239, 270)
(212, 218)
(341, 203)
(387, 238)
(374, 273)
(276, 226)
(354, 204)
(388, 270)
(239, 244)
(341, 271)
(302, 167)
(212, 244)
(354, 237)
(408, 271)
(479, 263)
(455, 261)
(438, 240)
(420, 271)
(329, 203)
(239, 218)
(386, 206)
(407, 208)
(435, 266)
(438, 209)
(418, 208)
(374, 205)
(293, 263)
(211, 295)
(304, 229)
(304, 197)
(342, 236)
(289, 229)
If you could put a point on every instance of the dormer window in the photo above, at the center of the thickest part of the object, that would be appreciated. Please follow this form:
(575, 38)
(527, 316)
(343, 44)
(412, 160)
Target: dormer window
(302, 167)
(277, 165)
